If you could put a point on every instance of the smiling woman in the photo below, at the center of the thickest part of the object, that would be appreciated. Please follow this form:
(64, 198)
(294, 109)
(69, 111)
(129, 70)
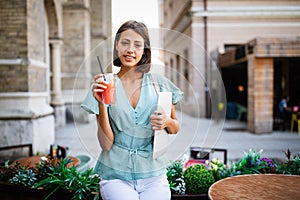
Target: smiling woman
(132, 47)
(126, 127)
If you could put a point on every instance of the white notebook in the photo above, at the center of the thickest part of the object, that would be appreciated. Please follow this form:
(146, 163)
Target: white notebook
(161, 137)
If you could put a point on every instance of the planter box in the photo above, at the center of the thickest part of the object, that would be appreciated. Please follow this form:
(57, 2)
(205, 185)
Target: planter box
(189, 197)
(10, 191)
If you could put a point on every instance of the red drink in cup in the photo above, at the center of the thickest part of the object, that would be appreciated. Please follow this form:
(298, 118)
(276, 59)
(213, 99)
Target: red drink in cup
(108, 95)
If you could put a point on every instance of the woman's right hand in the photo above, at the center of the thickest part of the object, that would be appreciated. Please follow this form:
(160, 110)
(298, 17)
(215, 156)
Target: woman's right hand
(104, 133)
(98, 86)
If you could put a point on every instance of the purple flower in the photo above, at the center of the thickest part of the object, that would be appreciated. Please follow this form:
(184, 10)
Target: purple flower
(268, 161)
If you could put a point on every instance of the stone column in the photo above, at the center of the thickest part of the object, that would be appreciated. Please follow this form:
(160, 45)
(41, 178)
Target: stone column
(56, 95)
(260, 94)
(76, 69)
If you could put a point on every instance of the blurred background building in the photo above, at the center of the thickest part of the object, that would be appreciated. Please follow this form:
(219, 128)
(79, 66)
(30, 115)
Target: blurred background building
(255, 44)
(42, 45)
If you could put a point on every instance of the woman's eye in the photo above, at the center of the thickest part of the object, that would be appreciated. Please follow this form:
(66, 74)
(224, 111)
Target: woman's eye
(124, 43)
(138, 46)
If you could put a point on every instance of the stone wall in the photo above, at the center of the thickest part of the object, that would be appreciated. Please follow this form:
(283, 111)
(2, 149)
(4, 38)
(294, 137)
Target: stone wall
(38, 132)
(13, 29)
(42, 46)
(86, 25)
(25, 112)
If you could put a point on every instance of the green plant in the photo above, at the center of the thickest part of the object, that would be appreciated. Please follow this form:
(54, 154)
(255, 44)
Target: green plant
(43, 168)
(198, 179)
(291, 166)
(83, 184)
(175, 177)
(219, 169)
(53, 175)
(8, 171)
(24, 178)
(251, 163)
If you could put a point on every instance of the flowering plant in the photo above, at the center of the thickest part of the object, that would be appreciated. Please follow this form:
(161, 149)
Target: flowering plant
(182, 180)
(252, 163)
(267, 165)
(291, 166)
(175, 177)
(53, 175)
(219, 169)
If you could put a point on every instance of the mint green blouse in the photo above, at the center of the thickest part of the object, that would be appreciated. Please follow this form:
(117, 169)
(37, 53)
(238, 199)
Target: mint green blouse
(130, 157)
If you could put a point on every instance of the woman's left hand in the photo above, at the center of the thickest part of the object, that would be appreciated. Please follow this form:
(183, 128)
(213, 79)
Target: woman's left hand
(159, 120)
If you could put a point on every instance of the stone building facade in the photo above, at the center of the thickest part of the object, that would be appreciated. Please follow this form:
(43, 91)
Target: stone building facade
(265, 70)
(42, 46)
(215, 26)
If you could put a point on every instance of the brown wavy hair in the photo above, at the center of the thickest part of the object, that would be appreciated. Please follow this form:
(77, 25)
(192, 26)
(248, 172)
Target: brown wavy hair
(140, 28)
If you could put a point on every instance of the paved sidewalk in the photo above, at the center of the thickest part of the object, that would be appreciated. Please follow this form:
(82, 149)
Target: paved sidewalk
(232, 135)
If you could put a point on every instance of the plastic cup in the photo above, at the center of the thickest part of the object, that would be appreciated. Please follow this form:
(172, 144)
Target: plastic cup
(108, 95)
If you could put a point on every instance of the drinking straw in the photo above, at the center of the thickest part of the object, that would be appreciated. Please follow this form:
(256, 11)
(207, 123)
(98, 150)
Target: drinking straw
(101, 68)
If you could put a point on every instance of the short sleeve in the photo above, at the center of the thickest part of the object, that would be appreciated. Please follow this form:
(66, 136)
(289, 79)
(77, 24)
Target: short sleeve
(167, 86)
(90, 104)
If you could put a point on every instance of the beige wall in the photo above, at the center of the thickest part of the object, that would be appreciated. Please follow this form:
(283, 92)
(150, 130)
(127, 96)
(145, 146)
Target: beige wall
(244, 30)
(173, 12)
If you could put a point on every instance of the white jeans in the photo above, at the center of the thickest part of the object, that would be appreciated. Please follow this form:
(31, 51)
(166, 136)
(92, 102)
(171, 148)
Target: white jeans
(155, 188)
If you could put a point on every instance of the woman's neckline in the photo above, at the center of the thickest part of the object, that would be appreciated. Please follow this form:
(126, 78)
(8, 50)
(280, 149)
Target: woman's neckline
(141, 92)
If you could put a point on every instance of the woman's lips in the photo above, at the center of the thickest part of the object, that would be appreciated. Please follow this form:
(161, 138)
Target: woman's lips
(129, 58)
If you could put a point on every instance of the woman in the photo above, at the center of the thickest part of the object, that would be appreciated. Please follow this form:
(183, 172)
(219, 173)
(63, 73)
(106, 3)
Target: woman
(125, 128)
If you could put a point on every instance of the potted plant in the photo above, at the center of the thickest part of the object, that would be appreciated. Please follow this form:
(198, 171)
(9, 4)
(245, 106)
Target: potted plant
(175, 177)
(48, 180)
(254, 163)
(191, 183)
(198, 179)
(194, 181)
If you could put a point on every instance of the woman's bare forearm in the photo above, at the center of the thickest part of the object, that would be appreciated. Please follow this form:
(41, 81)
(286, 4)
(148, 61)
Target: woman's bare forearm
(105, 133)
(172, 124)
